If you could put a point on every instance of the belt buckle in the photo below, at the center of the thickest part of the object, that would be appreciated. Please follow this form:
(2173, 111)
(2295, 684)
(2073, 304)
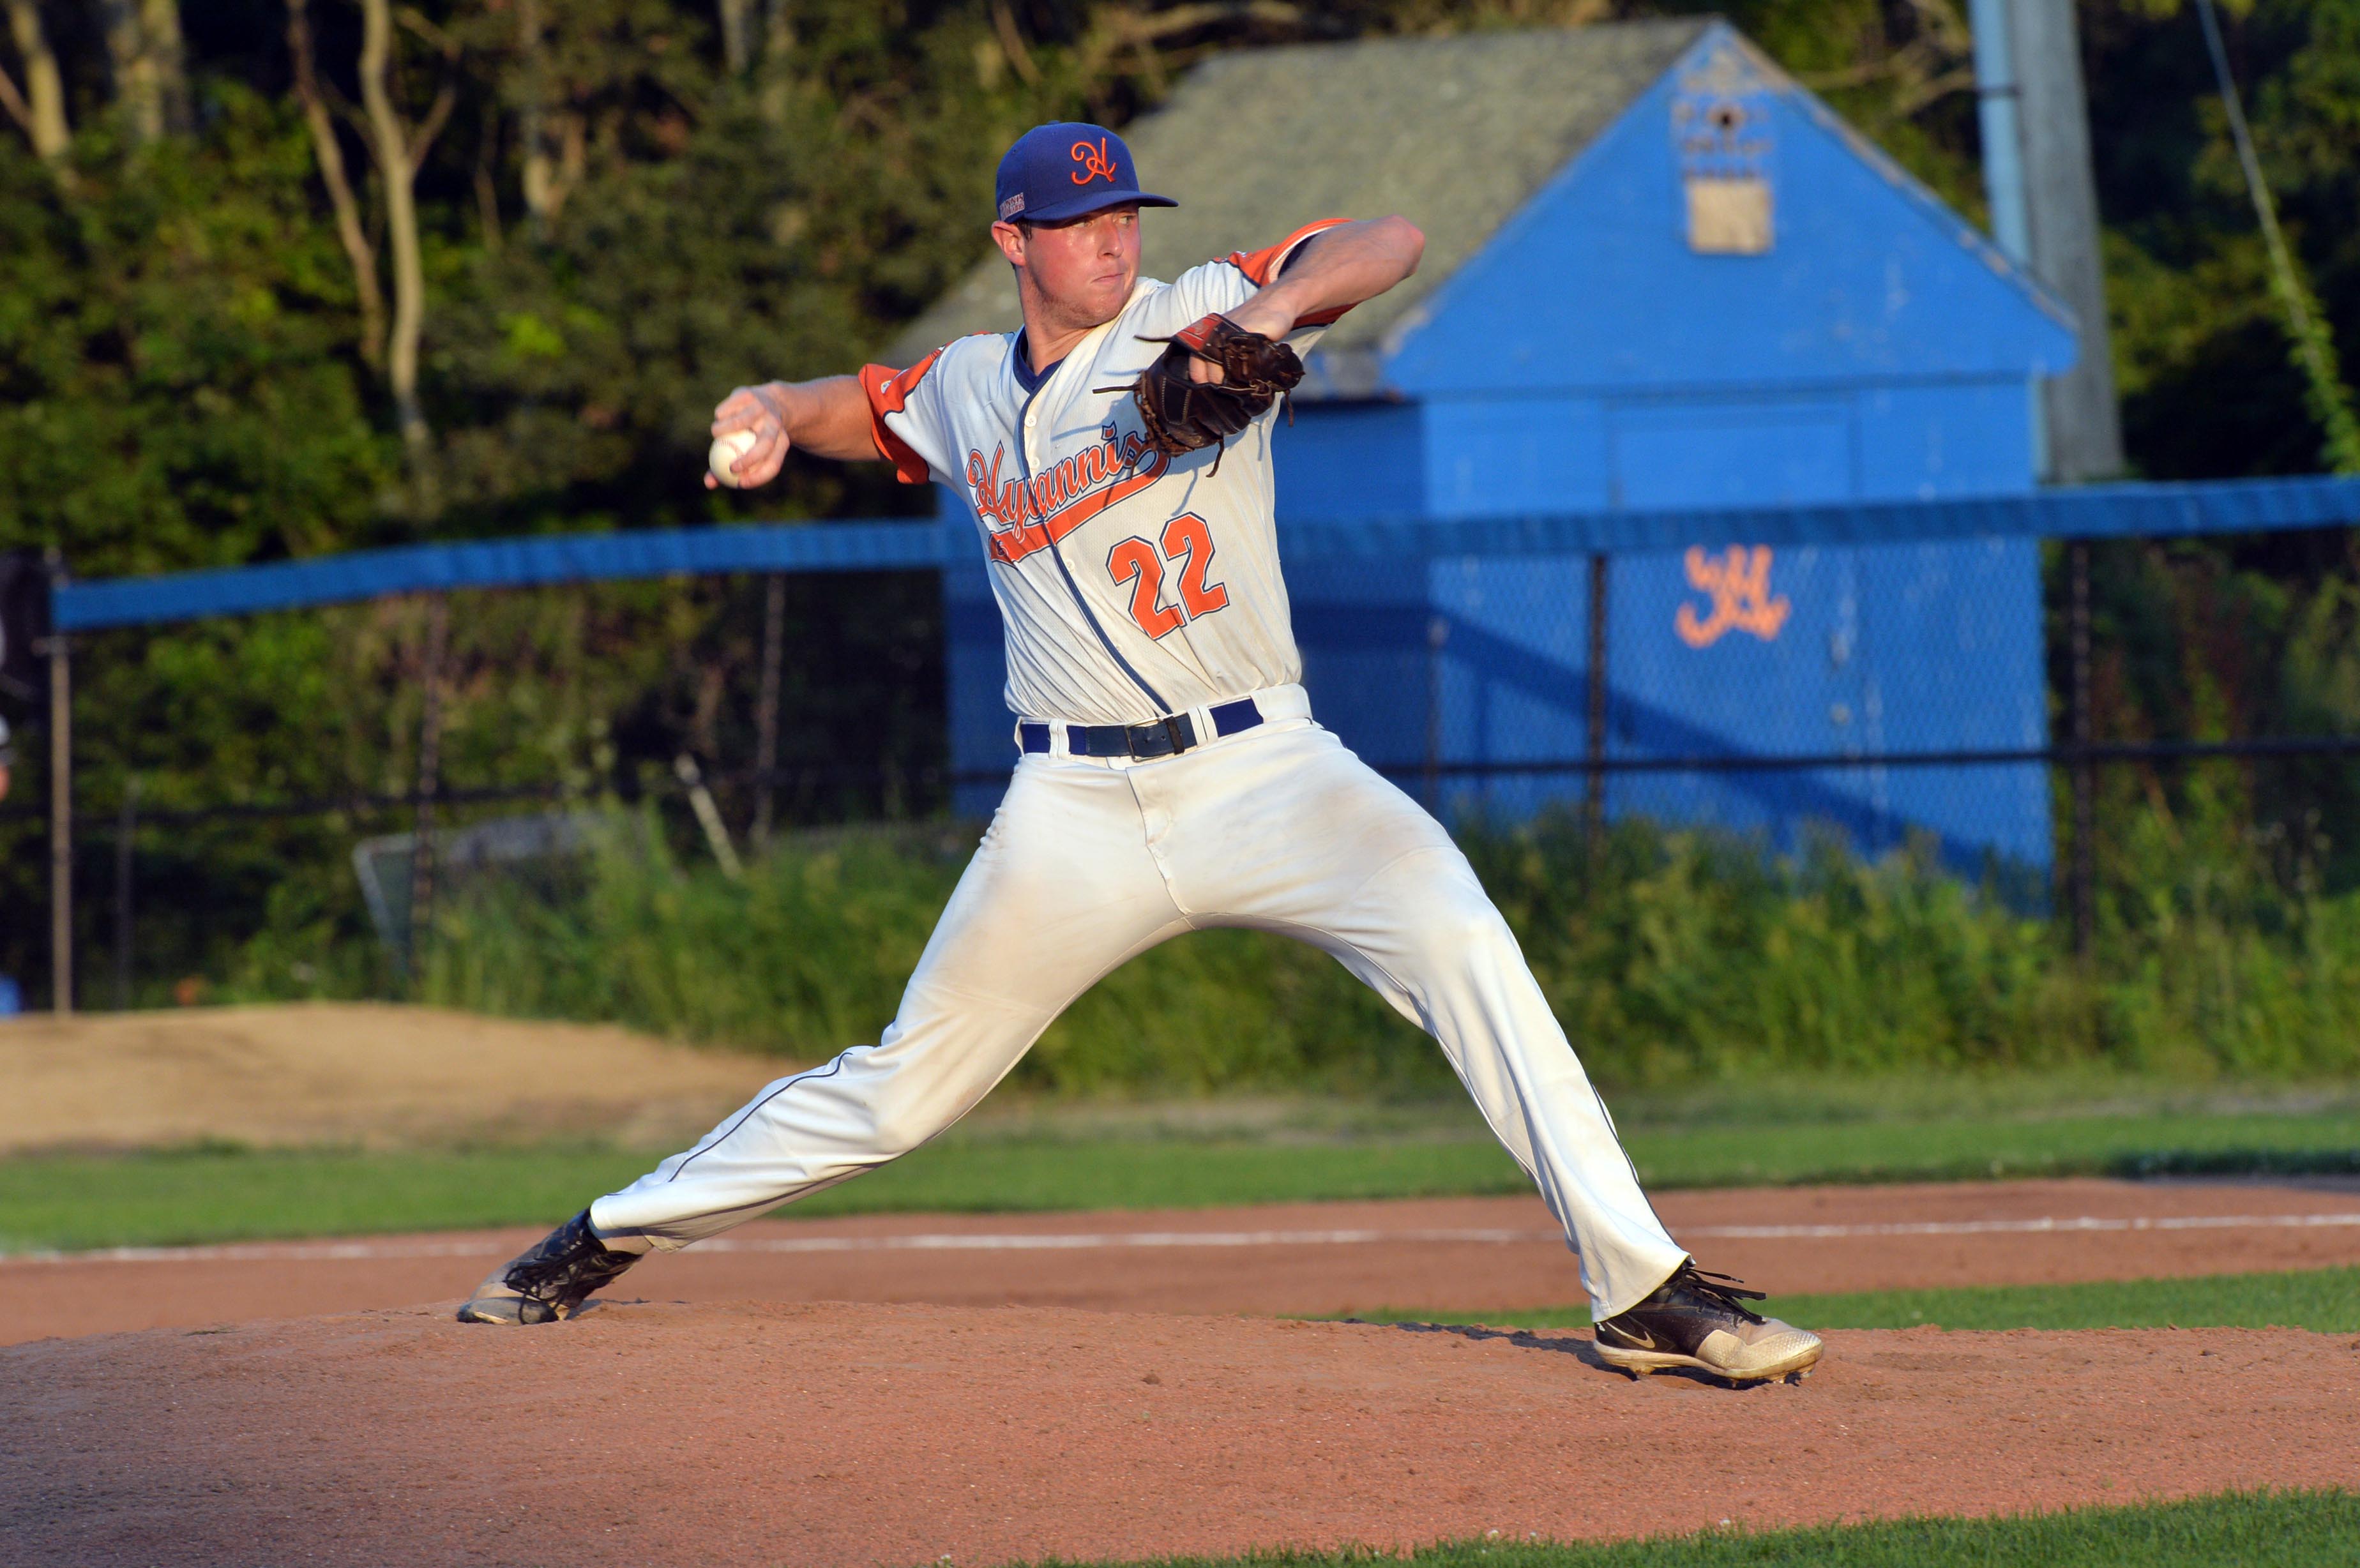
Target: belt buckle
(1167, 736)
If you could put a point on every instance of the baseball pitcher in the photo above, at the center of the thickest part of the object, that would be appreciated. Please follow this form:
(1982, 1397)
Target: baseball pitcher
(1169, 776)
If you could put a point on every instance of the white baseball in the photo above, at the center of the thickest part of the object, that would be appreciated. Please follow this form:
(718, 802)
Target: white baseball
(728, 450)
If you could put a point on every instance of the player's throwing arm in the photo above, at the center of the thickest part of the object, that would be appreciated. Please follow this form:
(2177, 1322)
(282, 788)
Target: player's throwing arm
(756, 427)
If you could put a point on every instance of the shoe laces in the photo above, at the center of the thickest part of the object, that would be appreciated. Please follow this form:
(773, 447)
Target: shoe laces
(1721, 1289)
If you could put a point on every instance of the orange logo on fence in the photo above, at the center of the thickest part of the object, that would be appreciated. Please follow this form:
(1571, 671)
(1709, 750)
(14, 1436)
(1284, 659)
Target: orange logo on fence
(1738, 583)
(1095, 164)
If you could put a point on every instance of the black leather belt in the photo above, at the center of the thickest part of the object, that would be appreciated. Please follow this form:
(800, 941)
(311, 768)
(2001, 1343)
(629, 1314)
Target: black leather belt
(1157, 737)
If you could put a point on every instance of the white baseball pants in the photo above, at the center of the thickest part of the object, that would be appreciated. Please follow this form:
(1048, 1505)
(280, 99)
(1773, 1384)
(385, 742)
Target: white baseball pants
(1091, 861)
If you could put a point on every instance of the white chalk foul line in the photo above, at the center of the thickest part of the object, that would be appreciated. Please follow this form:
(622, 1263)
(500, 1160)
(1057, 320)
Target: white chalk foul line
(953, 1241)
(2022, 1227)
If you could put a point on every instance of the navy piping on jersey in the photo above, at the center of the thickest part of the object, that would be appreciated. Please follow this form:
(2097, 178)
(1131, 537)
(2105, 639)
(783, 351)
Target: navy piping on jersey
(1021, 362)
(748, 1114)
(1019, 359)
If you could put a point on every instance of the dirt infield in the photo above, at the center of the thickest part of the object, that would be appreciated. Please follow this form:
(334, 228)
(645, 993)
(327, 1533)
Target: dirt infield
(1470, 1255)
(314, 1073)
(831, 1434)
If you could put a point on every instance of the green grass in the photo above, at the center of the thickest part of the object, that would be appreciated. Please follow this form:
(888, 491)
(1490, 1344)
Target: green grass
(69, 1202)
(2326, 1301)
(180, 1196)
(2236, 1530)
(1962, 1147)
(1671, 957)
(1171, 1159)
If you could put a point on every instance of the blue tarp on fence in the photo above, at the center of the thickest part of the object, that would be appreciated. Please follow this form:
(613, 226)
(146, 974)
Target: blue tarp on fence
(497, 564)
(2088, 512)
(2095, 511)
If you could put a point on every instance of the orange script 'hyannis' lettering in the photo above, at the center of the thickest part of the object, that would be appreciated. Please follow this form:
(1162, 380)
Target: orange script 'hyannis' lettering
(1738, 583)
(1025, 518)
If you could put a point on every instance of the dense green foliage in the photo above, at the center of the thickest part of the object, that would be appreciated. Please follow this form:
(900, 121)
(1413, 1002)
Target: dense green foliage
(620, 221)
(2264, 1529)
(1670, 957)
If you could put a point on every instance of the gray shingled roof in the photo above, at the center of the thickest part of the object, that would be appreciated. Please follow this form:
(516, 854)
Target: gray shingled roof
(1454, 134)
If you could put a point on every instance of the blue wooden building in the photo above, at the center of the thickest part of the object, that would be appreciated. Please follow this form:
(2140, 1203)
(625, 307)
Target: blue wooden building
(1659, 275)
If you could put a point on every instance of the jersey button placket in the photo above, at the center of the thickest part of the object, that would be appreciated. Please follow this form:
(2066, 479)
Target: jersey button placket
(1026, 444)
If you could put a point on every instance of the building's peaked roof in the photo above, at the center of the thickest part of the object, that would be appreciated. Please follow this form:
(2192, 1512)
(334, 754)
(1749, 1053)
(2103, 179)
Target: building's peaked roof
(1254, 144)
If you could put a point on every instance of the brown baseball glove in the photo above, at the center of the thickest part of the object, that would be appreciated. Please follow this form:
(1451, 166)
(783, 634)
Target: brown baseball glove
(1182, 415)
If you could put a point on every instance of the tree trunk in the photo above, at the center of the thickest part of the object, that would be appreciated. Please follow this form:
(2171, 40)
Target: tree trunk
(778, 49)
(397, 161)
(40, 108)
(149, 64)
(534, 59)
(160, 20)
(331, 155)
(135, 80)
(12, 98)
(556, 151)
(738, 35)
(556, 142)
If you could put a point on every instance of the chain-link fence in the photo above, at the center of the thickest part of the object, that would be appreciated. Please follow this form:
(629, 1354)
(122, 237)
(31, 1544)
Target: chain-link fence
(1955, 695)
(282, 794)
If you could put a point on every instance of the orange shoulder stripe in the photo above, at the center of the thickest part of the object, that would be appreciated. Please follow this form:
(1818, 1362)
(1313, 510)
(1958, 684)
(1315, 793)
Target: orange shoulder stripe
(889, 393)
(1261, 266)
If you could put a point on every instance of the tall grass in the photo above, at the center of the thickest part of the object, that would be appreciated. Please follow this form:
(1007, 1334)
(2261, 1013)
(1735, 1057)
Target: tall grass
(1670, 956)
(808, 955)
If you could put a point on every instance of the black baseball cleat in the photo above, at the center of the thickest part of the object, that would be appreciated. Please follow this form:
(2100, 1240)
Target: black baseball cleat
(549, 1280)
(1699, 1320)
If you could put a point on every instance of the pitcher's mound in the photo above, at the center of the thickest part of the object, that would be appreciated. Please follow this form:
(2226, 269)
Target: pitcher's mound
(825, 1434)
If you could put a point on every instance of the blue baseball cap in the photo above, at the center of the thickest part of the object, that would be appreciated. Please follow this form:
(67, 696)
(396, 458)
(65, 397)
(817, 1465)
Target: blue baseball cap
(1066, 170)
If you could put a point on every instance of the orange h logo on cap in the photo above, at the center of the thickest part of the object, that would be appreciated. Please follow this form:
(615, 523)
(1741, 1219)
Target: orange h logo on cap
(1094, 160)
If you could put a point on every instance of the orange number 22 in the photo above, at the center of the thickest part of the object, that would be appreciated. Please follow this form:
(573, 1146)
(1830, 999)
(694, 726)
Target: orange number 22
(1186, 537)
(1134, 560)
(1187, 540)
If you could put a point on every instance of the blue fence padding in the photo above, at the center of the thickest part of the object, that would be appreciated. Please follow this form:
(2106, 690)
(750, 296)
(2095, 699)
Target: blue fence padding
(2214, 506)
(497, 564)
(2094, 511)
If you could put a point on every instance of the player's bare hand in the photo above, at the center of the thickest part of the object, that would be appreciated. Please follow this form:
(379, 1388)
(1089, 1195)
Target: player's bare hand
(1253, 316)
(762, 413)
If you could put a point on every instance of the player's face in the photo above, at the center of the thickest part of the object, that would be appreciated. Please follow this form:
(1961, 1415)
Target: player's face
(1083, 270)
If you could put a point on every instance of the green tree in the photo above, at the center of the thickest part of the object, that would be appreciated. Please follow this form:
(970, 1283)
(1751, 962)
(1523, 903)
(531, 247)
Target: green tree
(629, 206)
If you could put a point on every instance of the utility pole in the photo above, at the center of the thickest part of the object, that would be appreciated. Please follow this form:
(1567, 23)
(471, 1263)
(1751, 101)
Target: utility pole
(126, 831)
(429, 784)
(1996, 120)
(1593, 788)
(2035, 120)
(766, 713)
(62, 915)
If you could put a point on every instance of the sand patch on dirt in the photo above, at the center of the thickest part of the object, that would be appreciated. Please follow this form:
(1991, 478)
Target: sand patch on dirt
(366, 1072)
(826, 1434)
